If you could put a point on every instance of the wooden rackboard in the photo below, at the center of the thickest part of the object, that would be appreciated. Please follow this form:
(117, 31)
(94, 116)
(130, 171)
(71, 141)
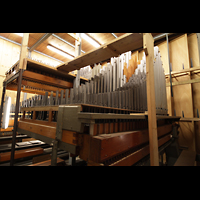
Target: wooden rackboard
(127, 42)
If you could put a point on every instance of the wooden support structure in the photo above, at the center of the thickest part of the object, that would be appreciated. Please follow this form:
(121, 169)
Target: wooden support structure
(148, 44)
(22, 57)
(23, 51)
(46, 130)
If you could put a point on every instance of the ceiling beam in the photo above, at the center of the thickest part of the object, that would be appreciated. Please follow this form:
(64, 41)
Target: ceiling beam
(73, 35)
(6, 39)
(42, 39)
(65, 41)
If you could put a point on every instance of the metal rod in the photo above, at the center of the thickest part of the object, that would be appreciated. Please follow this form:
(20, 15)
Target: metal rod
(170, 76)
(16, 118)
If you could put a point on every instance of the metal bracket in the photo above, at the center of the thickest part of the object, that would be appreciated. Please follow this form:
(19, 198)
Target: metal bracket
(59, 124)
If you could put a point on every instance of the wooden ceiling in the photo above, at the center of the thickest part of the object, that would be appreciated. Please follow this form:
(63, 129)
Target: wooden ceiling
(53, 41)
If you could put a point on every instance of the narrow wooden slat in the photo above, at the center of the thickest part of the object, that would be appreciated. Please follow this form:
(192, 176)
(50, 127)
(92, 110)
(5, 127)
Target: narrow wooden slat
(40, 78)
(44, 130)
(21, 153)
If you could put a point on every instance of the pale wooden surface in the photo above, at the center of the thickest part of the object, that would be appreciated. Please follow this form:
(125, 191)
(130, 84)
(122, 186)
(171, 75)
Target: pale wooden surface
(126, 42)
(182, 100)
(148, 43)
(24, 50)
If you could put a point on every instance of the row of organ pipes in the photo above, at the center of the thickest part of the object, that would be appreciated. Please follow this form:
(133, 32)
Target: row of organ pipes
(110, 86)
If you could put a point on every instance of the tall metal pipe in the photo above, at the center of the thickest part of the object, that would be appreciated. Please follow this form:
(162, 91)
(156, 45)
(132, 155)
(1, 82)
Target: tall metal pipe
(170, 76)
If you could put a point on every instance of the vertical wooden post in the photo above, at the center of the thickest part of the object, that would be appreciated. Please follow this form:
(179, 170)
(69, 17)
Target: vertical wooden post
(23, 51)
(148, 45)
(21, 62)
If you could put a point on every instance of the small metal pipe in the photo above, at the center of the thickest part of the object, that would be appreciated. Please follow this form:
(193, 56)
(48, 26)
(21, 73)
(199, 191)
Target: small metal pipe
(114, 35)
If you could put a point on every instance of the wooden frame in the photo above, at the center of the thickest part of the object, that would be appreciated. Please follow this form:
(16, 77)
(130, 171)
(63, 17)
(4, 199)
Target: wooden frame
(185, 84)
(122, 44)
(127, 42)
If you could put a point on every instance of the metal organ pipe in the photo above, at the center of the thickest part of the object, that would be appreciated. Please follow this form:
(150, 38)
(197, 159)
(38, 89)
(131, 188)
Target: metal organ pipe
(107, 86)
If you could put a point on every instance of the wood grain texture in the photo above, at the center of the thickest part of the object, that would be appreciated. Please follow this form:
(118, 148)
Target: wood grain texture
(21, 153)
(179, 55)
(148, 45)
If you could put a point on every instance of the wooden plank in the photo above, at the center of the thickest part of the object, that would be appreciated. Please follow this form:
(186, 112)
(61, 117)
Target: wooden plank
(40, 78)
(41, 108)
(127, 42)
(138, 155)
(183, 71)
(40, 86)
(32, 64)
(41, 122)
(21, 153)
(9, 129)
(85, 115)
(28, 90)
(148, 42)
(179, 55)
(187, 158)
(23, 51)
(41, 129)
(190, 81)
(189, 119)
(103, 147)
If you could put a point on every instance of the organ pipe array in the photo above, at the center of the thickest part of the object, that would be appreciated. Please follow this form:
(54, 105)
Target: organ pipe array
(111, 86)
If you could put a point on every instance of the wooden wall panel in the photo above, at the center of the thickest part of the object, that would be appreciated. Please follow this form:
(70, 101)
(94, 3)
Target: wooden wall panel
(9, 54)
(194, 55)
(179, 55)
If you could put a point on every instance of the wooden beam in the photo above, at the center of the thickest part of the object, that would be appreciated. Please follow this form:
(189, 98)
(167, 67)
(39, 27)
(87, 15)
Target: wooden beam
(73, 35)
(42, 39)
(148, 45)
(23, 50)
(184, 71)
(196, 80)
(21, 153)
(32, 91)
(40, 86)
(40, 78)
(122, 44)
